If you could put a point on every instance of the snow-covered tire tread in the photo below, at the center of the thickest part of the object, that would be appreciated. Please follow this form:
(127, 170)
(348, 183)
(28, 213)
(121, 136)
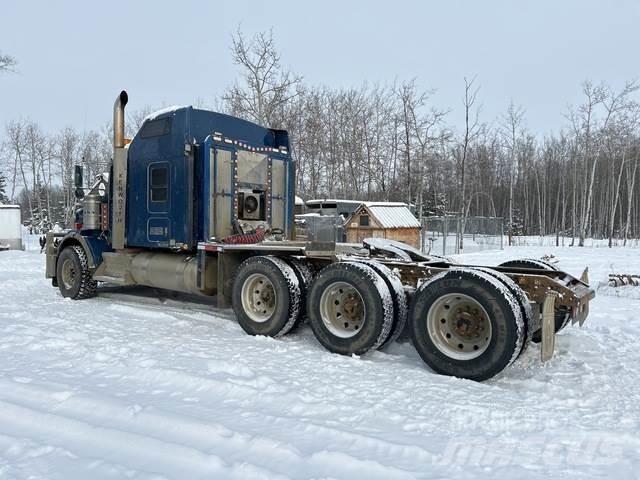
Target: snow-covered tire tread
(562, 315)
(523, 300)
(398, 295)
(288, 280)
(87, 285)
(495, 290)
(305, 275)
(367, 281)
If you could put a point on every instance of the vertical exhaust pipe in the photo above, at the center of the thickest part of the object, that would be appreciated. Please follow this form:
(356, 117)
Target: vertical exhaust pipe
(119, 180)
(118, 119)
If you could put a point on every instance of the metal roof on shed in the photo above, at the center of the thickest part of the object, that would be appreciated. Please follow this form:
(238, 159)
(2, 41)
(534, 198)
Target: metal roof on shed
(393, 216)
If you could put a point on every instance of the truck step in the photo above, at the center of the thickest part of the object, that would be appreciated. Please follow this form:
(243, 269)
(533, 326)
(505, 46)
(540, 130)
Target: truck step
(112, 279)
(115, 268)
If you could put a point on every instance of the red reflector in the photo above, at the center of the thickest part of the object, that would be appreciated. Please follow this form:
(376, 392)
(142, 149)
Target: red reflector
(78, 226)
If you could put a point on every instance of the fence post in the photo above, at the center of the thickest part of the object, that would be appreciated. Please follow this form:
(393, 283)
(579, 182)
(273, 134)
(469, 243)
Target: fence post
(445, 233)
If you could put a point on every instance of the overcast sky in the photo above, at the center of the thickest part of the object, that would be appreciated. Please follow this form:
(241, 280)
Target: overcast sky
(75, 56)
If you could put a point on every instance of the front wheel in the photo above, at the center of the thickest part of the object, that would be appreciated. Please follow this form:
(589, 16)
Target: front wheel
(73, 275)
(466, 324)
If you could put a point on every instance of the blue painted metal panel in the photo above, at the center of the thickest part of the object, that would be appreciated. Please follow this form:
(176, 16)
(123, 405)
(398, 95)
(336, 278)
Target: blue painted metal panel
(98, 245)
(93, 242)
(184, 218)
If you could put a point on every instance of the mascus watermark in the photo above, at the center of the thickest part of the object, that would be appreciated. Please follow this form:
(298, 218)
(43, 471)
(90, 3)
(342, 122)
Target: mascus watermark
(534, 449)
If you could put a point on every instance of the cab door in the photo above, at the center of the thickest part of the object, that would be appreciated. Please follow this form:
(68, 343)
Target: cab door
(158, 202)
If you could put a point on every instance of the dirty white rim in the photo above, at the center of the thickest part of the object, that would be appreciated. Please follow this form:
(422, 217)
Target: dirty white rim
(68, 273)
(259, 298)
(342, 309)
(459, 326)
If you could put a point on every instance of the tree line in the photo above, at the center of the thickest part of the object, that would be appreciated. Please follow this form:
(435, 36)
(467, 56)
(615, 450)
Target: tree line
(392, 143)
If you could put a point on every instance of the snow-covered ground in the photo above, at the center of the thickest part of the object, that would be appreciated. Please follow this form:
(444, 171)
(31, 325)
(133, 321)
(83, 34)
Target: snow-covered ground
(136, 386)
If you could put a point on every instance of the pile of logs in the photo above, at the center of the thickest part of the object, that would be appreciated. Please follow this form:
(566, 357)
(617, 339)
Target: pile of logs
(623, 279)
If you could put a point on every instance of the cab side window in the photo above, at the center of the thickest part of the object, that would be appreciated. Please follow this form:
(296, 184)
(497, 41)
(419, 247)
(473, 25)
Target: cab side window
(159, 183)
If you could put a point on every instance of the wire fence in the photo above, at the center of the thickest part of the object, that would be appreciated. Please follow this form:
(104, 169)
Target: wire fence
(449, 235)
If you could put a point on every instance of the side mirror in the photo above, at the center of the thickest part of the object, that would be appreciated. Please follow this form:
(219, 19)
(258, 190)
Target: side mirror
(77, 181)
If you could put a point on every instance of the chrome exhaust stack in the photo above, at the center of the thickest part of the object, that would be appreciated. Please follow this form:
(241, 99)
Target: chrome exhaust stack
(118, 119)
(119, 180)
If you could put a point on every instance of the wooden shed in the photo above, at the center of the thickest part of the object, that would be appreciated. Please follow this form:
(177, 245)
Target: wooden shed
(391, 220)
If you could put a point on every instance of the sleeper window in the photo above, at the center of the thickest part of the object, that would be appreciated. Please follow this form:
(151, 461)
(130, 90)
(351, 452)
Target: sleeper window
(159, 183)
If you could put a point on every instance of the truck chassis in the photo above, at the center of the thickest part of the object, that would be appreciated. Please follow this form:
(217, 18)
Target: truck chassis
(467, 321)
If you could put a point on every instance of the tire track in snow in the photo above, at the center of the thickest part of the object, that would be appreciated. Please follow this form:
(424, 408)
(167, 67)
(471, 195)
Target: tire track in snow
(189, 438)
(117, 446)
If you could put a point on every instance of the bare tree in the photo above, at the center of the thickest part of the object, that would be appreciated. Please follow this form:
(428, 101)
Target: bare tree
(471, 129)
(7, 63)
(511, 129)
(266, 86)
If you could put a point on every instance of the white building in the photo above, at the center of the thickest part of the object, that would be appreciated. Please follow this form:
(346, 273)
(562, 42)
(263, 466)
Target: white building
(10, 227)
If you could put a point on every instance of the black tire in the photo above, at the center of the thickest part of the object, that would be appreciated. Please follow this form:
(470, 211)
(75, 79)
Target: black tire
(304, 274)
(377, 318)
(561, 317)
(73, 275)
(281, 291)
(523, 301)
(398, 296)
(499, 349)
(443, 259)
(529, 263)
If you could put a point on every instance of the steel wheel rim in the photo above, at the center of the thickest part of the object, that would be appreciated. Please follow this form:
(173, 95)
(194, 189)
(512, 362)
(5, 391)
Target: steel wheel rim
(459, 326)
(259, 299)
(68, 273)
(342, 309)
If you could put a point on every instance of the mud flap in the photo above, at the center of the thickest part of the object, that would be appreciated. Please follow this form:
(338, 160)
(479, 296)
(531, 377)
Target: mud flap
(548, 326)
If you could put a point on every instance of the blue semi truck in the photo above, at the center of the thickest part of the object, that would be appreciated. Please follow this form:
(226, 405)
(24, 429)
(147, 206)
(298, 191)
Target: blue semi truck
(203, 202)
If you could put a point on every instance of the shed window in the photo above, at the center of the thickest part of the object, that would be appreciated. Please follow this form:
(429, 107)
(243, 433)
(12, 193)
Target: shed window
(159, 183)
(364, 220)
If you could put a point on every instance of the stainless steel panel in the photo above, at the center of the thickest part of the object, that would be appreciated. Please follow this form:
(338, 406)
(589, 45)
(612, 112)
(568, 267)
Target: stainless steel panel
(223, 201)
(278, 194)
(252, 167)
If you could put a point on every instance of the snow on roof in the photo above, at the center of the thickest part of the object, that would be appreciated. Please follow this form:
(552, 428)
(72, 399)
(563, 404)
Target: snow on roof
(333, 200)
(385, 204)
(9, 206)
(393, 216)
(357, 202)
(299, 201)
(162, 111)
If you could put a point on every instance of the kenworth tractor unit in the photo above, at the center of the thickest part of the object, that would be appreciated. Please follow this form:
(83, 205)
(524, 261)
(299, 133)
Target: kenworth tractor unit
(202, 202)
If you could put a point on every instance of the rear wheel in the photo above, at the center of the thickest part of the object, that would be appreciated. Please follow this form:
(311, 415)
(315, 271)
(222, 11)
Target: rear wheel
(350, 308)
(523, 301)
(398, 296)
(529, 263)
(73, 275)
(467, 324)
(266, 296)
(562, 313)
(304, 274)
